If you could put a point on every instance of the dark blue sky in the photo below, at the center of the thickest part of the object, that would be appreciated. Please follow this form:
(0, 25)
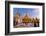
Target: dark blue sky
(21, 11)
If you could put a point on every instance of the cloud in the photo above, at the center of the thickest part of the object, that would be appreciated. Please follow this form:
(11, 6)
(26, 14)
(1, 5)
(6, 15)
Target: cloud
(36, 12)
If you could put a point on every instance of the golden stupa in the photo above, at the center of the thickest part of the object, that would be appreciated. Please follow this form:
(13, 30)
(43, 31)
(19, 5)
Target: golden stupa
(26, 19)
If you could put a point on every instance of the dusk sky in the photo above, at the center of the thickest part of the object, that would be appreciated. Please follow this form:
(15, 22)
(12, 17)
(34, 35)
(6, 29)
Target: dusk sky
(31, 11)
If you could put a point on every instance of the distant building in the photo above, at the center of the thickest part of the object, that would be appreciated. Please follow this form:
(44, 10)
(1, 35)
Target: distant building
(17, 18)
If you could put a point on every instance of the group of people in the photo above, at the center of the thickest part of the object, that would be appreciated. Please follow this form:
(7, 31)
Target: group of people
(36, 22)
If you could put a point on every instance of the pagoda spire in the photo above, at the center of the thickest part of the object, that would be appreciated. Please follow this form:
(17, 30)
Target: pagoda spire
(26, 12)
(17, 12)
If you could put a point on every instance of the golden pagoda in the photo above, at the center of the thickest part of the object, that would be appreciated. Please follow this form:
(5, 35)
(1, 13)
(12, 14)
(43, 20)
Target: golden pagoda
(26, 19)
